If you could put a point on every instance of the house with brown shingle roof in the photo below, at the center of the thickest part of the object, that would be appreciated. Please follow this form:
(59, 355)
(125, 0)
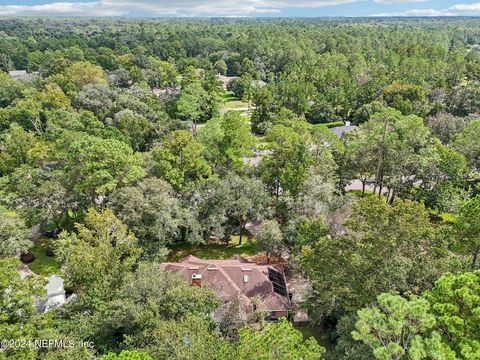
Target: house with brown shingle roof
(237, 277)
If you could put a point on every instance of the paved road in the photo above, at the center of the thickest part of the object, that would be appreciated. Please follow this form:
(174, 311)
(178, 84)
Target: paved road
(357, 185)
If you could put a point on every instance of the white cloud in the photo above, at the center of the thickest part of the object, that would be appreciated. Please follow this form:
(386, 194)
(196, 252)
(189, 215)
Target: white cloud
(398, 1)
(454, 10)
(417, 12)
(165, 7)
(475, 8)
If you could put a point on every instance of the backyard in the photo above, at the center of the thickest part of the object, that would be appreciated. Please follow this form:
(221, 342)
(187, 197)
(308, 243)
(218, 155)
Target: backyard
(43, 264)
(216, 249)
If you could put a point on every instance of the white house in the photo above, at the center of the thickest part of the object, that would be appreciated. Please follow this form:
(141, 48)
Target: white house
(55, 293)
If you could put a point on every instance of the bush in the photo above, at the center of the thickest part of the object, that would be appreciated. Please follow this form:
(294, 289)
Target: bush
(334, 124)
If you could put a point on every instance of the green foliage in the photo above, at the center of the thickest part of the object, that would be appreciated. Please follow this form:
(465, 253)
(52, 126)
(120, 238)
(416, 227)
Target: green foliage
(383, 248)
(17, 148)
(446, 126)
(230, 203)
(111, 102)
(97, 166)
(143, 304)
(466, 144)
(16, 302)
(467, 229)
(276, 341)
(406, 98)
(127, 355)
(98, 255)
(24, 111)
(217, 249)
(394, 327)
(79, 74)
(179, 160)
(227, 141)
(14, 234)
(440, 325)
(463, 99)
(401, 155)
(189, 339)
(9, 90)
(135, 127)
(270, 238)
(287, 167)
(152, 212)
(456, 303)
(195, 104)
(441, 172)
(334, 124)
(97, 98)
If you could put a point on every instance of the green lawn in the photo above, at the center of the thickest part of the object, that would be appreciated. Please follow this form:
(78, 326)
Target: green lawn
(216, 250)
(43, 265)
(359, 193)
(261, 142)
(229, 96)
(449, 218)
(443, 217)
(231, 101)
(233, 104)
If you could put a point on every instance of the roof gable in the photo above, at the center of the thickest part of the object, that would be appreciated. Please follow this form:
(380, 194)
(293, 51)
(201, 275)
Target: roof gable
(229, 278)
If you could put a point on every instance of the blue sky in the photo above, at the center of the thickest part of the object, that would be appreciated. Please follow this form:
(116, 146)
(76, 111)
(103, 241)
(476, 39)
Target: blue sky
(278, 8)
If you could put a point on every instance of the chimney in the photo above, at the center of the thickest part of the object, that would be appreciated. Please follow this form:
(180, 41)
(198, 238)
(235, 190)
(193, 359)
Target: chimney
(197, 280)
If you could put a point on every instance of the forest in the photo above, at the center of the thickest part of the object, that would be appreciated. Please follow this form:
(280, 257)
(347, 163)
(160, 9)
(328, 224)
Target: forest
(346, 150)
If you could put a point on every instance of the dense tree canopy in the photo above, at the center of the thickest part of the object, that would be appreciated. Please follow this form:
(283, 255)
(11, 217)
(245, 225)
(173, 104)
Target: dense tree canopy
(437, 325)
(122, 147)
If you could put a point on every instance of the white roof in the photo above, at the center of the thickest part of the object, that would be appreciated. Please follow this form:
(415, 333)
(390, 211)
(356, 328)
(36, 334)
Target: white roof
(54, 285)
(17, 72)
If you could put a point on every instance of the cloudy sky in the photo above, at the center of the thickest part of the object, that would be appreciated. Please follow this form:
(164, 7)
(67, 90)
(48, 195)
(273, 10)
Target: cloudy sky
(291, 8)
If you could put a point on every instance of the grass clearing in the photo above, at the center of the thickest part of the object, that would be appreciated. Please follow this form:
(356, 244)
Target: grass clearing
(216, 249)
(235, 104)
(444, 217)
(43, 264)
(358, 193)
(230, 101)
(449, 218)
(229, 96)
(261, 142)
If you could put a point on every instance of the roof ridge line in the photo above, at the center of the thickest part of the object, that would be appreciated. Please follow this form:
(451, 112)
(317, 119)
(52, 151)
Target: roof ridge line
(230, 280)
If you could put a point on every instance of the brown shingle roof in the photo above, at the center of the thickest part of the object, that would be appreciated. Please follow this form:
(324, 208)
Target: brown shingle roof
(226, 279)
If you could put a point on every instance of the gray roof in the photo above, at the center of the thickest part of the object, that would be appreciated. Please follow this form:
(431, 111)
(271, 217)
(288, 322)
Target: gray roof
(225, 80)
(22, 75)
(341, 130)
(258, 83)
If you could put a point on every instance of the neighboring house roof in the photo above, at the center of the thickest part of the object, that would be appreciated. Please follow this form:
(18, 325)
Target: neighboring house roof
(54, 285)
(225, 80)
(253, 161)
(55, 296)
(257, 157)
(22, 74)
(258, 83)
(341, 130)
(16, 73)
(166, 91)
(234, 277)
